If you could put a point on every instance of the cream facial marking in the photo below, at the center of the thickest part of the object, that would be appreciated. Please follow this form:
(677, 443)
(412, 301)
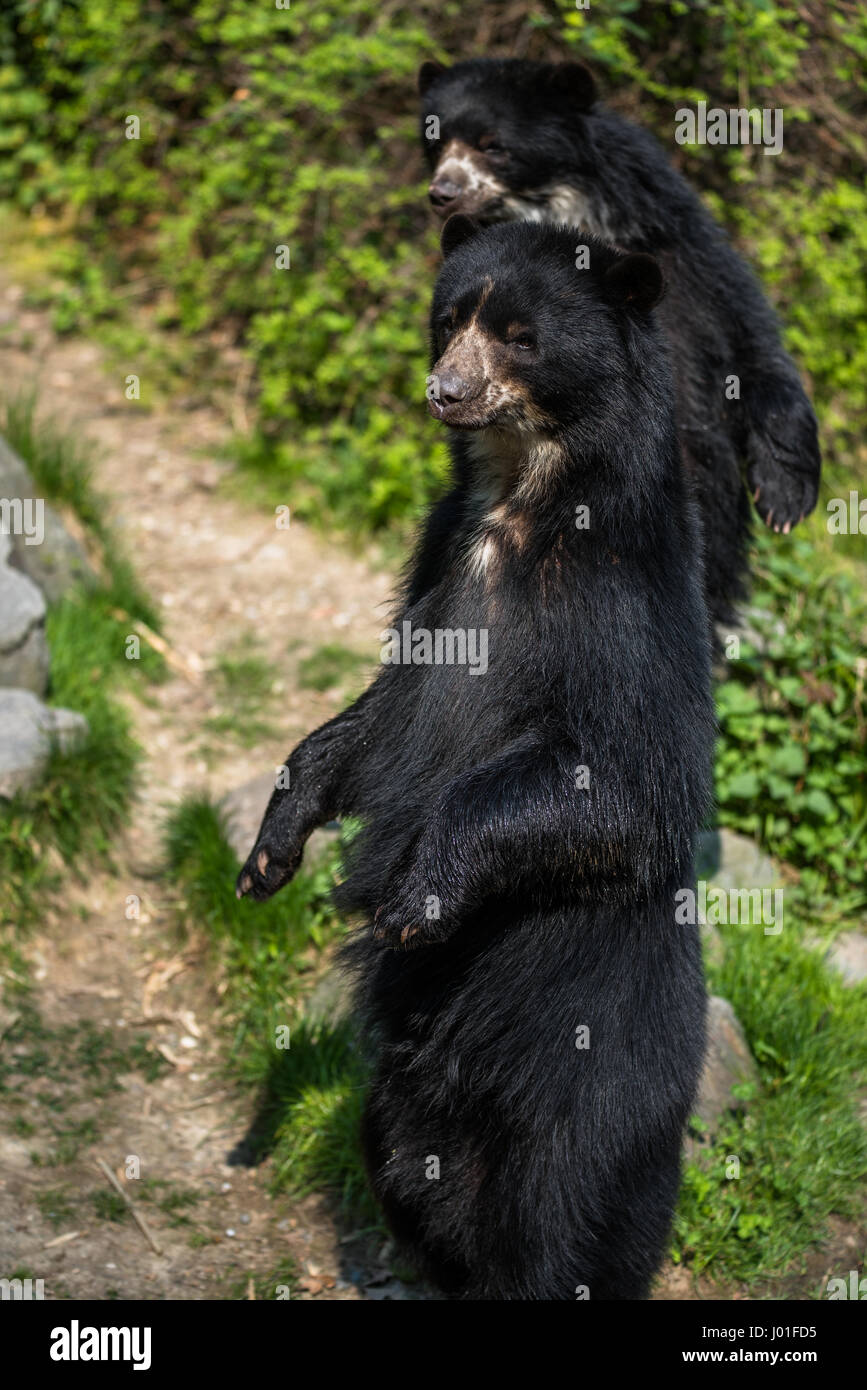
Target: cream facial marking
(472, 355)
(459, 163)
(560, 203)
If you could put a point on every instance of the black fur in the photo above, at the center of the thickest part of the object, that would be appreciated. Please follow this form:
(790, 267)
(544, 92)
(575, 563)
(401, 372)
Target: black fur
(536, 126)
(558, 1166)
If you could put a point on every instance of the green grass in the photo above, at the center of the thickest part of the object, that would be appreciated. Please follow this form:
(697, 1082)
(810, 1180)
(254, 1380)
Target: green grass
(175, 1203)
(108, 1206)
(245, 687)
(311, 1093)
(54, 1206)
(47, 1072)
(85, 795)
(330, 666)
(62, 468)
(800, 1142)
(280, 1282)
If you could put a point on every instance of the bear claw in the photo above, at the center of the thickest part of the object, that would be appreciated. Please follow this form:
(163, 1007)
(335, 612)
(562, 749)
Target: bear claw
(265, 872)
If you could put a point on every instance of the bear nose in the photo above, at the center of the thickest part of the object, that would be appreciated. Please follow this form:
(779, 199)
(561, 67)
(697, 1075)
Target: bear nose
(452, 388)
(443, 191)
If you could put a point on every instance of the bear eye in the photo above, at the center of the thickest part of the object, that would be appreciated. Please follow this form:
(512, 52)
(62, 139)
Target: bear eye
(521, 338)
(489, 144)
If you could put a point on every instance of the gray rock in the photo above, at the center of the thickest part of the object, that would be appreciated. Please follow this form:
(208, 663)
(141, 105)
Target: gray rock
(756, 626)
(58, 561)
(243, 809)
(730, 861)
(24, 659)
(848, 954)
(331, 998)
(29, 732)
(734, 861)
(728, 1062)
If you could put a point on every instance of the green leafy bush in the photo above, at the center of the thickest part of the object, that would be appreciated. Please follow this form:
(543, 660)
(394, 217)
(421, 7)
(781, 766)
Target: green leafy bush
(792, 760)
(262, 128)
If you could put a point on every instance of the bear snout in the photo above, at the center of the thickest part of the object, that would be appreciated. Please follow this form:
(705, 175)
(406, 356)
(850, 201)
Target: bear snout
(453, 398)
(442, 193)
(453, 388)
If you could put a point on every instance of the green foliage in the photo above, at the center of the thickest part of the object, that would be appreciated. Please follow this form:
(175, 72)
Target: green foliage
(228, 169)
(312, 1091)
(792, 761)
(245, 685)
(801, 1147)
(263, 128)
(739, 45)
(54, 1206)
(319, 1099)
(330, 665)
(810, 248)
(109, 1206)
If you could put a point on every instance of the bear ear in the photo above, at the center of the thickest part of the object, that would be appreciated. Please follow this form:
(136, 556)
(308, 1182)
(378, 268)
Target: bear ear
(574, 83)
(457, 229)
(635, 280)
(428, 74)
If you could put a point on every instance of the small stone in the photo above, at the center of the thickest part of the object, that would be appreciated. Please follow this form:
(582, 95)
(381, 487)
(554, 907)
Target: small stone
(24, 659)
(51, 557)
(848, 955)
(243, 809)
(734, 861)
(28, 731)
(728, 1062)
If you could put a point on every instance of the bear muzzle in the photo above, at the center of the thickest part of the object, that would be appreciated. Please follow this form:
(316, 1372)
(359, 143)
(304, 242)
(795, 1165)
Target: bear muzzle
(455, 400)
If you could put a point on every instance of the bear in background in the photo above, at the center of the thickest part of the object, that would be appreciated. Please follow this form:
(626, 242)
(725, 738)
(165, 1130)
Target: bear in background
(534, 1008)
(518, 140)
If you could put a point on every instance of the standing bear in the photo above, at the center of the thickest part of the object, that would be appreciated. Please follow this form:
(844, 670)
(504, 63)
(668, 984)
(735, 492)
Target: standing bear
(511, 139)
(535, 1010)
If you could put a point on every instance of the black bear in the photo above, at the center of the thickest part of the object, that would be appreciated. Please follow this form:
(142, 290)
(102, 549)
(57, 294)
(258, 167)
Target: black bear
(511, 139)
(528, 813)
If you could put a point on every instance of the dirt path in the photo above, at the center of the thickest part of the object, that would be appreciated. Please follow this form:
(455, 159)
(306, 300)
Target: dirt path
(217, 571)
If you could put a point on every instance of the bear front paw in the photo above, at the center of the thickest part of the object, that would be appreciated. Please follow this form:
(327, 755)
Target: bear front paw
(411, 919)
(267, 869)
(783, 476)
(784, 501)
